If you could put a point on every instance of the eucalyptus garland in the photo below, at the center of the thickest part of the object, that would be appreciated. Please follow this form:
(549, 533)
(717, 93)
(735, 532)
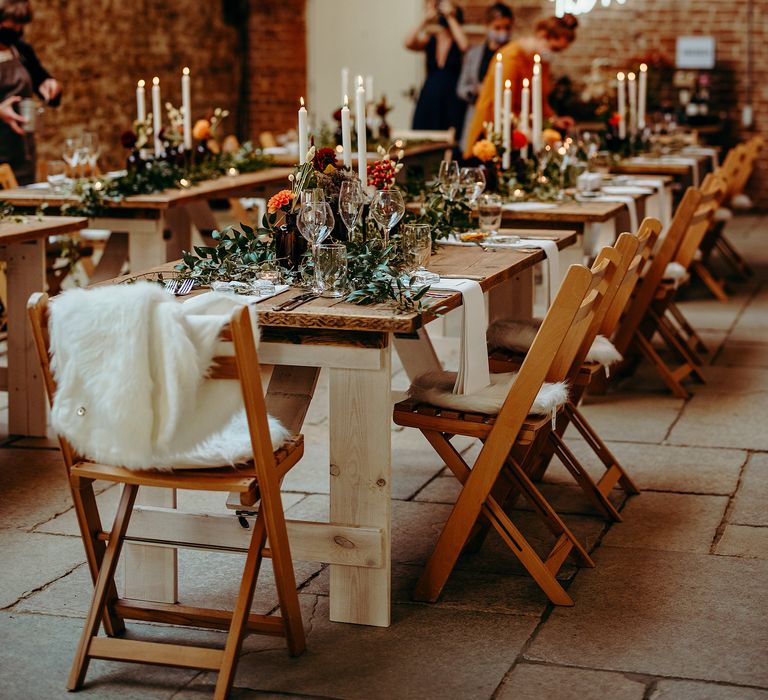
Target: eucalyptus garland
(176, 171)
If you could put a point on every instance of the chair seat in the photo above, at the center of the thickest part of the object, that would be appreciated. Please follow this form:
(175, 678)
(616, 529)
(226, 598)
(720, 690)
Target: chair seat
(238, 479)
(413, 414)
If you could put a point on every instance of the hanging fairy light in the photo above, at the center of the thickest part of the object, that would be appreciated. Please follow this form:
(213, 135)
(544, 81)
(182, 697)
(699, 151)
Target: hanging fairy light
(580, 7)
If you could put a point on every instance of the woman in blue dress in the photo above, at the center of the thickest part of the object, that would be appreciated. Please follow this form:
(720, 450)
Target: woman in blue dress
(441, 37)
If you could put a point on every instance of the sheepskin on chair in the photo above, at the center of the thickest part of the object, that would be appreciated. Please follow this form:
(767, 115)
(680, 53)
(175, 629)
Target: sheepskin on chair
(435, 388)
(130, 364)
(518, 336)
(742, 202)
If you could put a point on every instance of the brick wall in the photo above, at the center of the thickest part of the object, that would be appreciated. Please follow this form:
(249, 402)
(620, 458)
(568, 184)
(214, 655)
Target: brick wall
(622, 33)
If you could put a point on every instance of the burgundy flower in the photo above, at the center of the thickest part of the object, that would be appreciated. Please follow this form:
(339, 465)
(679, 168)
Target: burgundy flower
(323, 158)
(128, 139)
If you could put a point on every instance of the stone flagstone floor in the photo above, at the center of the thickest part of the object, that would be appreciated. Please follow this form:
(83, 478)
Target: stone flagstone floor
(676, 608)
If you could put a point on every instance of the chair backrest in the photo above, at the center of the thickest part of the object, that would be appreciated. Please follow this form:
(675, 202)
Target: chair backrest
(713, 190)
(751, 150)
(647, 236)
(566, 322)
(646, 289)
(7, 178)
(242, 366)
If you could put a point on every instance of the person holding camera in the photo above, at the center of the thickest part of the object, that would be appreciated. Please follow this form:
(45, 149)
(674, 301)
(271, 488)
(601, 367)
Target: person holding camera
(22, 76)
(441, 37)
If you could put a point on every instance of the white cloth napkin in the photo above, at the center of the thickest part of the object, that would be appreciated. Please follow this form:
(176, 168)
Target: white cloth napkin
(623, 199)
(663, 210)
(528, 206)
(692, 162)
(704, 151)
(473, 374)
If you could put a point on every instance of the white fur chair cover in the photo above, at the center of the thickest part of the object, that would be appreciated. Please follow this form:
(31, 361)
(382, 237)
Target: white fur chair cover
(676, 273)
(742, 202)
(518, 336)
(130, 363)
(723, 214)
(436, 389)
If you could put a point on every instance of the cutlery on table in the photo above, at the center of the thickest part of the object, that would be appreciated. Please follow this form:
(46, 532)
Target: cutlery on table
(295, 302)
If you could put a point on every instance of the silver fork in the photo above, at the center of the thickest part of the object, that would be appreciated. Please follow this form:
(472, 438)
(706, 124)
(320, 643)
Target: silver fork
(170, 286)
(185, 288)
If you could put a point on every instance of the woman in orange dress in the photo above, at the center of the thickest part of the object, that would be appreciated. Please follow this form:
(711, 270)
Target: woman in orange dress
(552, 35)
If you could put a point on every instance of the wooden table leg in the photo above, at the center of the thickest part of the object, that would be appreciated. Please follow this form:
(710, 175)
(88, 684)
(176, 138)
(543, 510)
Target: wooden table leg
(360, 432)
(513, 298)
(417, 355)
(151, 573)
(27, 406)
(203, 218)
(177, 232)
(146, 244)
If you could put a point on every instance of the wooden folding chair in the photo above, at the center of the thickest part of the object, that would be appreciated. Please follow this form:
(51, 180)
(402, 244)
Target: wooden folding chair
(552, 352)
(257, 480)
(629, 255)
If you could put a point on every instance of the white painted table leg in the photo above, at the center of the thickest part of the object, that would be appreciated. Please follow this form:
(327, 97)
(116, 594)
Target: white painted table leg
(27, 407)
(360, 420)
(151, 573)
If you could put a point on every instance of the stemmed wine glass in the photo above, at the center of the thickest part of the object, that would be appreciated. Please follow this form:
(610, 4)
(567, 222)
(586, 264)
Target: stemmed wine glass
(472, 181)
(91, 150)
(71, 154)
(315, 222)
(448, 178)
(351, 201)
(417, 247)
(387, 209)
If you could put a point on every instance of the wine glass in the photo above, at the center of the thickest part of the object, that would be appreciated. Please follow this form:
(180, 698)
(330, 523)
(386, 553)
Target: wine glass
(472, 181)
(387, 209)
(448, 178)
(313, 195)
(92, 150)
(315, 222)
(351, 203)
(71, 154)
(417, 247)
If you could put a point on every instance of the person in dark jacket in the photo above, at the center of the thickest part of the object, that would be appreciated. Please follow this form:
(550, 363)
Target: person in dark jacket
(23, 76)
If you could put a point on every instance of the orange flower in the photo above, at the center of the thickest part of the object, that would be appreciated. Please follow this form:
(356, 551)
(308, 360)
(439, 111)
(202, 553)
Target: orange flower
(281, 199)
(551, 136)
(484, 150)
(201, 131)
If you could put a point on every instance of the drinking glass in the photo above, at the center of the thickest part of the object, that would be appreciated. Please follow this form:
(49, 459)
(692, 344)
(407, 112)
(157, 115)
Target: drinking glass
(472, 181)
(71, 154)
(351, 203)
(315, 222)
(91, 150)
(417, 247)
(489, 213)
(387, 209)
(57, 174)
(312, 196)
(331, 269)
(448, 178)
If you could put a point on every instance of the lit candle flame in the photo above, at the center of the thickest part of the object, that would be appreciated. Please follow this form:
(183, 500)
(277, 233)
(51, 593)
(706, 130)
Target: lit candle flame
(499, 57)
(536, 58)
(620, 76)
(301, 101)
(359, 81)
(526, 82)
(141, 83)
(643, 68)
(155, 81)
(631, 76)
(185, 70)
(508, 84)
(346, 100)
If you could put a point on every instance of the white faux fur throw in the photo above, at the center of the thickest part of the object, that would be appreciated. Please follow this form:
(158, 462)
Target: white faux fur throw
(436, 388)
(518, 336)
(130, 363)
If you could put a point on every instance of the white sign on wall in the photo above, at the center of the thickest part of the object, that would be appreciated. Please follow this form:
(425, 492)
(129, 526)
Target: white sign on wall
(695, 52)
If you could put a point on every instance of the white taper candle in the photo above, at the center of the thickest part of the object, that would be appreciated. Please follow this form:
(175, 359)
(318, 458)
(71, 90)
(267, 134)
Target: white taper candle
(157, 115)
(303, 133)
(506, 121)
(362, 139)
(497, 89)
(186, 106)
(346, 133)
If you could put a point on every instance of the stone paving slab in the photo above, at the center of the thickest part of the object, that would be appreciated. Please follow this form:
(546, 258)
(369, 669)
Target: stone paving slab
(662, 467)
(736, 353)
(744, 541)
(540, 681)
(750, 506)
(689, 690)
(663, 613)
(427, 653)
(670, 521)
(37, 653)
(32, 561)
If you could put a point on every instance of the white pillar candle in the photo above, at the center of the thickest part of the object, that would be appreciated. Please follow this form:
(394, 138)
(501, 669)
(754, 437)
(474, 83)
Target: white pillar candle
(622, 96)
(141, 101)
(525, 109)
(632, 89)
(346, 133)
(303, 133)
(497, 88)
(538, 113)
(643, 96)
(362, 139)
(186, 105)
(344, 83)
(506, 159)
(157, 116)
